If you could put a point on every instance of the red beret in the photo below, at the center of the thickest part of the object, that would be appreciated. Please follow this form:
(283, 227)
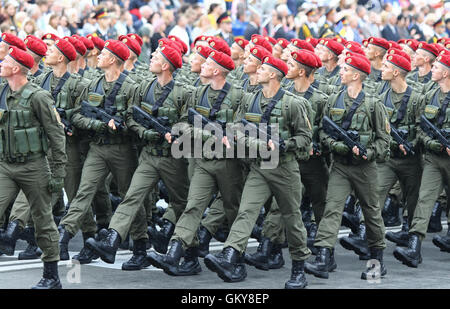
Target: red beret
(393, 44)
(220, 45)
(358, 62)
(399, 61)
(118, 49)
(241, 42)
(276, 63)
(21, 56)
(172, 55)
(167, 42)
(50, 36)
(444, 59)
(312, 41)
(258, 39)
(332, 45)
(354, 47)
(306, 57)
(283, 42)
(444, 52)
(183, 45)
(395, 51)
(380, 42)
(413, 44)
(441, 40)
(67, 49)
(222, 59)
(79, 46)
(302, 44)
(365, 42)
(429, 48)
(13, 40)
(271, 40)
(136, 37)
(439, 47)
(201, 38)
(402, 41)
(98, 42)
(447, 44)
(259, 52)
(339, 40)
(204, 51)
(36, 45)
(133, 45)
(88, 43)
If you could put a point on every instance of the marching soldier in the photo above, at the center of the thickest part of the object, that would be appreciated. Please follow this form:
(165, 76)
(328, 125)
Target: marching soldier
(92, 57)
(363, 115)
(37, 49)
(436, 169)
(25, 166)
(238, 51)
(423, 60)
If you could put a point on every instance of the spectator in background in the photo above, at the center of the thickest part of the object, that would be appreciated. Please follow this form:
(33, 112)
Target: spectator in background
(11, 9)
(374, 25)
(215, 10)
(415, 31)
(159, 28)
(402, 26)
(253, 26)
(124, 24)
(145, 33)
(203, 27)
(53, 26)
(447, 27)
(169, 19)
(179, 30)
(29, 28)
(277, 26)
(390, 31)
(89, 25)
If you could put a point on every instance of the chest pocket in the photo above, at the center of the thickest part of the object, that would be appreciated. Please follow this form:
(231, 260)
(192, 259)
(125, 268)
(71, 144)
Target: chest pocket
(62, 99)
(121, 102)
(95, 99)
(360, 123)
(225, 115)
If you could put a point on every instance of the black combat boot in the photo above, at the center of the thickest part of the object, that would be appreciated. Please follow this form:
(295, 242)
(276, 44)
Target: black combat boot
(50, 279)
(228, 264)
(86, 255)
(9, 237)
(260, 259)
(350, 205)
(298, 278)
(435, 225)
(443, 242)
(322, 264)
(306, 210)
(400, 237)
(222, 233)
(168, 262)
(160, 240)
(126, 244)
(276, 260)
(375, 271)
(190, 265)
(390, 212)
(312, 232)
(204, 238)
(410, 256)
(352, 220)
(357, 242)
(115, 201)
(139, 258)
(64, 238)
(106, 247)
(32, 251)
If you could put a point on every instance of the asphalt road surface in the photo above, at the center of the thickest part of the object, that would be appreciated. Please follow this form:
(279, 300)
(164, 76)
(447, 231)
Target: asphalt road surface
(434, 272)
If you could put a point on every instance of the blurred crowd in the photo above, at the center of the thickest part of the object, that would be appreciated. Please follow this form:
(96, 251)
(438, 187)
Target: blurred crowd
(354, 20)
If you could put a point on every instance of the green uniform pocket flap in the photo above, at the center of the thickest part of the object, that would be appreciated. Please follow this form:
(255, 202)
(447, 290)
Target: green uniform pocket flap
(21, 142)
(33, 140)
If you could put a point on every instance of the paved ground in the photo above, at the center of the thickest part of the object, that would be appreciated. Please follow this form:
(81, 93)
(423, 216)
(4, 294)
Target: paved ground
(432, 273)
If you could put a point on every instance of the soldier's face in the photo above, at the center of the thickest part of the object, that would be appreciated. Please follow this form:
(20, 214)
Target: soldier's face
(286, 54)
(3, 50)
(196, 63)
(387, 71)
(51, 57)
(438, 71)
(419, 58)
(347, 74)
(251, 65)
(249, 46)
(277, 50)
(49, 43)
(156, 62)
(235, 51)
(263, 74)
(104, 59)
(7, 66)
(208, 68)
(293, 69)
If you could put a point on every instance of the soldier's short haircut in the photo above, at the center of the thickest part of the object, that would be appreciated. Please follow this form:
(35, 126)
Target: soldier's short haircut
(402, 72)
(308, 70)
(381, 50)
(362, 76)
(119, 62)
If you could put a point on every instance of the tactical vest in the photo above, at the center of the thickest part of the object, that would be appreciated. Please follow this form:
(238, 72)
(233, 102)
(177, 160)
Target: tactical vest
(361, 120)
(226, 112)
(433, 110)
(22, 136)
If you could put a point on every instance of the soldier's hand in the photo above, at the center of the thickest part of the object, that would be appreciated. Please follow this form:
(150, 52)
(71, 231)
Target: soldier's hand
(226, 142)
(168, 137)
(56, 184)
(402, 148)
(434, 146)
(271, 145)
(151, 136)
(98, 126)
(340, 148)
(355, 150)
(111, 124)
(448, 151)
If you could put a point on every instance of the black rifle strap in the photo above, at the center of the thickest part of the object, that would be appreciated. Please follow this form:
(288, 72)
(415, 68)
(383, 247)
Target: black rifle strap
(402, 110)
(166, 91)
(46, 82)
(309, 93)
(3, 104)
(266, 116)
(216, 107)
(356, 103)
(61, 83)
(37, 73)
(443, 111)
(111, 98)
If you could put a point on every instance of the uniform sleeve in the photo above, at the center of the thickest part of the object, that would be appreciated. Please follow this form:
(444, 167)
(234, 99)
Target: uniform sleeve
(382, 132)
(42, 104)
(130, 122)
